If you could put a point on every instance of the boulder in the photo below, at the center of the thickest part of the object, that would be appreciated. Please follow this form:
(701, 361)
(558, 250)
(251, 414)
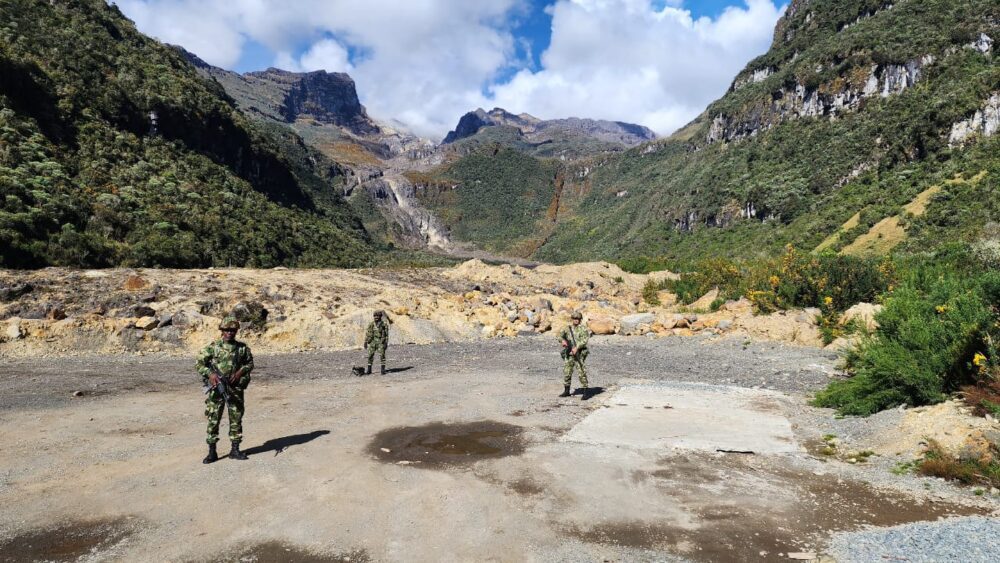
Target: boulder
(863, 314)
(630, 323)
(56, 313)
(541, 304)
(601, 325)
(140, 311)
(135, 283)
(742, 305)
(725, 324)
(147, 323)
(170, 335)
(252, 313)
(679, 321)
(14, 330)
(704, 303)
(12, 292)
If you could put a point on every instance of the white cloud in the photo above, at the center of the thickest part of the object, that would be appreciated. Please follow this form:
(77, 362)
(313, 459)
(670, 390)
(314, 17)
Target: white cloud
(625, 60)
(426, 62)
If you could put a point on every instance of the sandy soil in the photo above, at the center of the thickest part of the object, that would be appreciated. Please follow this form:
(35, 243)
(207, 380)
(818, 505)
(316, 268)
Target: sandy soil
(479, 465)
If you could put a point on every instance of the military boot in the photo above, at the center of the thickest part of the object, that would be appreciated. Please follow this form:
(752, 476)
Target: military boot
(382, 370)
(565, 392)
(212, 456)
(235, 452)
(368, 370)
(586, 394)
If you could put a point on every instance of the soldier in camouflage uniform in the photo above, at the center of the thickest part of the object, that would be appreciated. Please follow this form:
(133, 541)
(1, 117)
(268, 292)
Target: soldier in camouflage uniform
(233, 361)
(377, 339)
(574, 351)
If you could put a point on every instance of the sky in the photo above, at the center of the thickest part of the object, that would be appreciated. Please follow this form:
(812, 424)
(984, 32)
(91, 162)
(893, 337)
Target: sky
(424, 63)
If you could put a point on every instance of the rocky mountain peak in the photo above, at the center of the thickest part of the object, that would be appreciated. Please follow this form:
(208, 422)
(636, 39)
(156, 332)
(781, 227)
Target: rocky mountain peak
(536, 129)
(327, 97)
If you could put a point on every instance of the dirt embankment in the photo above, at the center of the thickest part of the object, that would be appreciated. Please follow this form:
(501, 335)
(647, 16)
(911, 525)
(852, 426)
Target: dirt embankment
(61, 311)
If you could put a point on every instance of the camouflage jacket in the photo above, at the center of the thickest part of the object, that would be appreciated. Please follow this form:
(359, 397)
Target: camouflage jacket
(377, 335)
(576, 336)
(228, 358)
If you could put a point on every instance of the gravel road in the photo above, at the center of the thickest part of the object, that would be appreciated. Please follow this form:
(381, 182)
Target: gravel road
(51, 382)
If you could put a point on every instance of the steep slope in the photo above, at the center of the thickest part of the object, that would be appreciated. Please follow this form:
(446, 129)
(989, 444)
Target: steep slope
(115, 151)
(325, 111)
(859, 106)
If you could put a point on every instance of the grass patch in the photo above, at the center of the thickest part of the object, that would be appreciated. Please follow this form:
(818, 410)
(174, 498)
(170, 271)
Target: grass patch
(939, 463)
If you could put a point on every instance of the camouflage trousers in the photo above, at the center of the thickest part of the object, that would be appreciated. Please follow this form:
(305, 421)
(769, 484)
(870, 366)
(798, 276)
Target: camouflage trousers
(380, 350)
(214, 404)
(572, 362)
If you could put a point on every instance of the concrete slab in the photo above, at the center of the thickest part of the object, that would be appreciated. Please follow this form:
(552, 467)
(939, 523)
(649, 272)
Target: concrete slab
(692, 417)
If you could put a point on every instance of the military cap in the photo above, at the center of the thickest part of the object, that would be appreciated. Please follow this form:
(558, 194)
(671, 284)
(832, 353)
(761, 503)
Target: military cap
(229, 323)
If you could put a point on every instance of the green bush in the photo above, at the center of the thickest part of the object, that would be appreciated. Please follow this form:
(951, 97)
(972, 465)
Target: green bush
(929, 331)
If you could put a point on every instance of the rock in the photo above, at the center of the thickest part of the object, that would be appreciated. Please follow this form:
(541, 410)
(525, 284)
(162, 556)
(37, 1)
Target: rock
(147, 323)
(691, 318)
(630, 323)
(35, 313)
(679, 321)
(742, 305)
(512, 316)
(135, 283)
(802, 556)
(140, 311)
(14, 330)
(724, 324)
(77, 393)
(168, 335)
(704, 303)
(252, 313)
(12, 292)
(165, 320)
(56, 313)
(863, 314)
(542, 304)
(401, 311)
(601, 325)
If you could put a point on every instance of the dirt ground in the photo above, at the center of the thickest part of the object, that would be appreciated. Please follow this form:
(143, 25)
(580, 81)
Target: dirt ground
(462, 453)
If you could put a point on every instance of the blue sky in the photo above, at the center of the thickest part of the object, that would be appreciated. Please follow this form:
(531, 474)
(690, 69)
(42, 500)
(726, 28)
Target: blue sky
(424, 63)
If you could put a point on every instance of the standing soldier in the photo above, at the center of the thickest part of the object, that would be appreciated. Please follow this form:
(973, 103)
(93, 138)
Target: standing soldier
(231, 360)
(377, 339)
(574, 351)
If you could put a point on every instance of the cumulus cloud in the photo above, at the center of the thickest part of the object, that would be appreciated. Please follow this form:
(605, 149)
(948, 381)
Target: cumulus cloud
(626, 60)
(426, 62)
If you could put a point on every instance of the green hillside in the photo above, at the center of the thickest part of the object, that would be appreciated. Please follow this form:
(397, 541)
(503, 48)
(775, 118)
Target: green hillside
(114, 151)
(850, 113)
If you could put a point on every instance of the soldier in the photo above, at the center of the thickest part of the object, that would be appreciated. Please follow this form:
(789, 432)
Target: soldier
(231, 359)
(574, 351)
(377, 339)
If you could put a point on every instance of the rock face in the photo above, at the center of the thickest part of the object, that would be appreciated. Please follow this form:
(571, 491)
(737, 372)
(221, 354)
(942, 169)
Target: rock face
(822, 101)
(538, 130)
(985, 122)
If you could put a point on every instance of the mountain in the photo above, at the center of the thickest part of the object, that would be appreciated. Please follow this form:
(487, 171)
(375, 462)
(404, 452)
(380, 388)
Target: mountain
(868, 127)
(555, 137)
(117, 152)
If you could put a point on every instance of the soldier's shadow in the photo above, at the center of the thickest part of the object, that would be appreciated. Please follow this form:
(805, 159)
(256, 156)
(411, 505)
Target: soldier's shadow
(278, 445)
(594, 391)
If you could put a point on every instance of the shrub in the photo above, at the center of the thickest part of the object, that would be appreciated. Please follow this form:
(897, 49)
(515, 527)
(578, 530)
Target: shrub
(929, 333)
(939, 463)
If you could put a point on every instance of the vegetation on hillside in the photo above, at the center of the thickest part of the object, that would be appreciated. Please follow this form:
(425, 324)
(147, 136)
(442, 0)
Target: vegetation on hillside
(501, 199)
(115, 151)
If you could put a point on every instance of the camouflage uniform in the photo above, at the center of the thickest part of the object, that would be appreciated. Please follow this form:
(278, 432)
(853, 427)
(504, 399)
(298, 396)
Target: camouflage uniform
(577, 336)
(377, 339)
(228, 357)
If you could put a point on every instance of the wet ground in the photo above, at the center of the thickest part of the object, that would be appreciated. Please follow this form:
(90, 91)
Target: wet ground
(466, 456)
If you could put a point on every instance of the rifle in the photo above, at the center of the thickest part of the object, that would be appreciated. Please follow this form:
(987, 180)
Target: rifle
(223, 383)
(565, 351)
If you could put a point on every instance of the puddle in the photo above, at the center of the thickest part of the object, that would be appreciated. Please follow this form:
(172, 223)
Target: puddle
(438, 444)
(274, 552)
(68, 542)
(745, 511)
